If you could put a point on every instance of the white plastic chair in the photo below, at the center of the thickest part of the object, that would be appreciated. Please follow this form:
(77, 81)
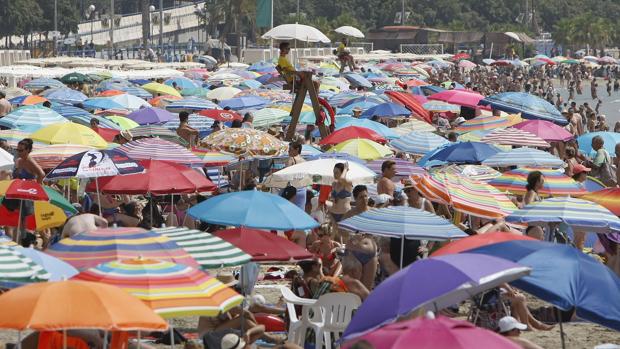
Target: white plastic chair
(332, 314)
(298, 325)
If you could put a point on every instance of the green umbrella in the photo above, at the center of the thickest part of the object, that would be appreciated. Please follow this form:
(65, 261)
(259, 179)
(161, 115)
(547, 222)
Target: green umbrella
(75, 78)
(194, 91)
(570, 61)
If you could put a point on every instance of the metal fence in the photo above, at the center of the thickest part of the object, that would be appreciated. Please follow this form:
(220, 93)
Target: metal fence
(422, 49)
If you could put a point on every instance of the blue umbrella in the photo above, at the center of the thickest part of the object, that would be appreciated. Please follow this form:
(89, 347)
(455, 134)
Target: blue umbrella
(261, 65)
(253, 209)
(431, 284)
(66, 95)
(59, 270)
(530, 106)
(136, 91)
(245, 102)
(191, 104)
(348, 110)
(263, 79)
(357, 80)
(564, 277)
(101, 103)
(181, 82)
(196, 92)
(112, 84)
(524, 157)
(418, 142)
(251, 84)
(380, 128)
(140, 82)
(426, 90)
(84, 118)
(610, 139)
(41, 83)
(367, 99)
(308, 150)
(593, 184)
(201, 123)
(31, 118)
(460, 153)
(69, 110)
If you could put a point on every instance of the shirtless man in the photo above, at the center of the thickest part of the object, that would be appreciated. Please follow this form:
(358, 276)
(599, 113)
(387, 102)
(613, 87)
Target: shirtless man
(185, 131)
(385, 184)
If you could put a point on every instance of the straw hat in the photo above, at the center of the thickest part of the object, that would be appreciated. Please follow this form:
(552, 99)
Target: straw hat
(227, 278)
(407, 184)
(232, 341)
(127, 135)
(359, 109)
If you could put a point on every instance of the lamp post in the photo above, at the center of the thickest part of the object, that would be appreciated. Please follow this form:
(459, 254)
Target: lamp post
(91, 12)
(161, 27)
(151, 9)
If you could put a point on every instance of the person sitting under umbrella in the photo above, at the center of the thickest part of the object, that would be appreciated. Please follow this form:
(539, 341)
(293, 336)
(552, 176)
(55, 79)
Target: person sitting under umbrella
(510, 328)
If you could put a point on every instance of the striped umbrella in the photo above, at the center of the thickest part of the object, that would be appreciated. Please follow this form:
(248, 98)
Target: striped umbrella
(556, 182)
(50, 156)
(17, 269)
(159, 149)
(464, 195)
(268, 116)
(66, 95)
(608, 198)
(28, 100)
(13, 92)
(191, 104)
(196, 121)
(483, 123)
(404, 168)
(208, 250)
(362, 148)
(12, 137)
(441, 107)
(418, 142)
(171, 290)
(415, 125)
(41, 83)
(403, 222)
(89, 249)
(579, 214)
(136, 91)
(212, 158)
(514, 136)
(31, 118)
(157, 131)
(479, 173)
(524, 157)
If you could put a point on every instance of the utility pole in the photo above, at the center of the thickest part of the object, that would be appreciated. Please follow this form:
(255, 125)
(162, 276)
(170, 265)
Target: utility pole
(161, 27)
(402, 12)
(112, 25)
(55, 25)
(297, 11)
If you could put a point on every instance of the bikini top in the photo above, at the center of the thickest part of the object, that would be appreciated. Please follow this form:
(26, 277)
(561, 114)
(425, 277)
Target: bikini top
(343, 194)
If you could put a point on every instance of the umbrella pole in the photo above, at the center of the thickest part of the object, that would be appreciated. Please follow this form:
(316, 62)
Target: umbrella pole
(98, 194)
(105, 339)
(171, 335)
(19, 339)
(402, 250)
(561, 328)
(64, 339)
(139, 340)
(172, 209)
(18, 233)
(151, 207)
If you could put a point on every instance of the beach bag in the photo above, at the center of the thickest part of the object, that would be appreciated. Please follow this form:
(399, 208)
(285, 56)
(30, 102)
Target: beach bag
(606, 172)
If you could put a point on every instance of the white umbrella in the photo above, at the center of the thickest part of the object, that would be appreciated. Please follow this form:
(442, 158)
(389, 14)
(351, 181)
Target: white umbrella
(296, 31)
(6, 160)
(349, 31)
(221, 93)
(318, 172)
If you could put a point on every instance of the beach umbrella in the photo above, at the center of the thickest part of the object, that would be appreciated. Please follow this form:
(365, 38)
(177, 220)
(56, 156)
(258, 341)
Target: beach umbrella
(122, 122)
(460, 153)
(74, 77)
(163, 101)
(69, 133)
(28, 100)
(414, 125)
(381, 129)
(404, 168)
(418, 142)
(466, 64)
(213, 158)
(610, 139)
(52, 155)
(31, 118)
(252, 209)
(296, 31)
(579, 214)
(224, 78)
(528, 105)
(362, 148)
(160, 178)
(524, 157)
(44, 215)
(89, 249)
(159, 149)
(102, 103)
(52, 306)
(244, 141)
(441, 107)
(160, 89)
(464, 98)
(483, 123)
(190, 104)
(479, 173)
(6, 160)
(244, 102)
(576, 280)
(57, 269)
(556, 182)
(515, 137)
(163, 132)
(210, 251)
(151, 115)
(349, 31)
(352, 132)
(607, 60)
(136, 91)
(22, 189)
(608, 198)
(170, 289)
(221, 115)
(80, 115)
(545, 130)
(350, 99)
(181, 82)
(110, 93)
(66, 95)
(13, 92)
(196, 121)
(17, 269)
(130, 102)
(320, 171)
(478, 240)
(432, 284)
(426, 90)
(357, 80)
(221, 93)
(348, 110)
(268, 116)
(41, 83)
(111, 112)
(264, 246)
(388, 109)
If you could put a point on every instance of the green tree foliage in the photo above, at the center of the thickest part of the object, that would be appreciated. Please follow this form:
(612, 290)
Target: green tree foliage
(68, 16)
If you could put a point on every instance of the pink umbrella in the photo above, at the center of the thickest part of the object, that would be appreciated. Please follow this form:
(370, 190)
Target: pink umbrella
(545, 130)
(466, 64)
(440, 333)
(460, 97)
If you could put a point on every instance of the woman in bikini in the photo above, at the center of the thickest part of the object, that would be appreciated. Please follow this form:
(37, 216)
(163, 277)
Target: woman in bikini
(326, 249)
(340, 195)
(179, 217)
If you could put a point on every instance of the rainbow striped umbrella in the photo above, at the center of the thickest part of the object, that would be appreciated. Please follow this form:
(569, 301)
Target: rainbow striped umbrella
(608, 198)
(418, 142)
(514, 136)
(483, 123)
(404, 168)
(464, 195)
(171, 290)
(17, 269)
(50, 156)
(556, 182)
(208, 250)
(87, 250)
(12, 137)
(212, 158)
(159, 149)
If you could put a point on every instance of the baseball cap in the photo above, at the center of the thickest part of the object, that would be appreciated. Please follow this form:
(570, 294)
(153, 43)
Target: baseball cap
(508, 323)
(459, 120)
(577, 169)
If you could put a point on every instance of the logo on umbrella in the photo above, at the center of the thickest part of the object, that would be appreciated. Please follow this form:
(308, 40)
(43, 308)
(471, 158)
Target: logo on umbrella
(32, 191)
(226, 116)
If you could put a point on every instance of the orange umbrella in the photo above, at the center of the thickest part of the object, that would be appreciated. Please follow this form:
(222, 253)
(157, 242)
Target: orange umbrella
(162, 101)
(110, 93)
(65, 305)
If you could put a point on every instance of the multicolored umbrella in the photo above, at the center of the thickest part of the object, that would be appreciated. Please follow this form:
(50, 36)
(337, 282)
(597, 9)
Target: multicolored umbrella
(528, 105)
(69, 133)
(483, 123)
(362, 148)
(516, 137)
(264, 246)
(196, 121)
(524, 157)
(44, 215)
(208, 250)
(31, 118)
(190, 104)
(545, 129)
(28, 100)
(171, 290)
(159, 132)
(163, 101)
(89, 249)
(50, 156)
(94, 164)
(404, 168)
(608, 198)
(352, 132)
(17, 269)
(478, 240)
(244, 141)
(160, 89)
(414, 125)
(556, 182)
(159, 149)
(418, 142)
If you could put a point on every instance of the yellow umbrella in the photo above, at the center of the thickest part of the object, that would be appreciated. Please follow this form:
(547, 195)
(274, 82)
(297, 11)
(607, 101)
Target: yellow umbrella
(155, 87)
(288, 108)
(123, 122)
(69, 133)
(362, 148)
(48, 215)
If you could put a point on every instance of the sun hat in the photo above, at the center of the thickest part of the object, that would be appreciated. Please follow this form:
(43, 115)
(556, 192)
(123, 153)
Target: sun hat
(227, 278)
(579, 168)
(407, 184)
(459, 120)
(127, 135)
(232, 341)
(357, 109)
(508, 323)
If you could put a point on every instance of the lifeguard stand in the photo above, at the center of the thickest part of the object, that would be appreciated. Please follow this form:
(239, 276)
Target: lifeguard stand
(305, 86)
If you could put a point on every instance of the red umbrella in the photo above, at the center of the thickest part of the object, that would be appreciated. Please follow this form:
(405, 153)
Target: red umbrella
(352, 132)
(480, 240)
(22, 189)
(410, 103)
(459, 97)
(107, 134)
(221, 115)
(160, 177)
(263, 246)
(461, 55)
